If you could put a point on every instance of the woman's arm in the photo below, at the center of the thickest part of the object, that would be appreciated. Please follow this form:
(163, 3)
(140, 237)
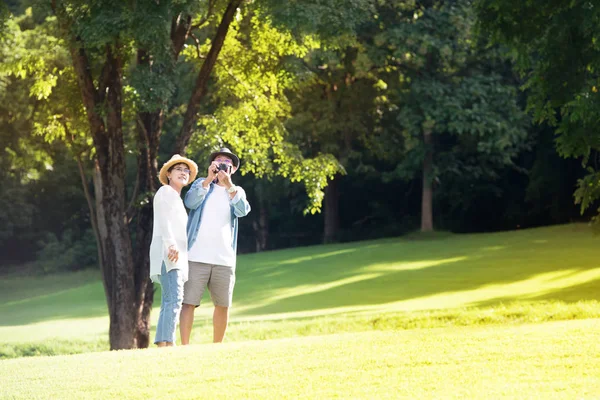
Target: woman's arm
(163, 207)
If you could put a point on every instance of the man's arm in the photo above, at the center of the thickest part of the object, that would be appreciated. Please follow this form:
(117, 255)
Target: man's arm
(196, 195)
(241, 207)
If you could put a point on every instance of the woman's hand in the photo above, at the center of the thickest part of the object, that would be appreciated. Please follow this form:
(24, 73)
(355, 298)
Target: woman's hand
(173, 254)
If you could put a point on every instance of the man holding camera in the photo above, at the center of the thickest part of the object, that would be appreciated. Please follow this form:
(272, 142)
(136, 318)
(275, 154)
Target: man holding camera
(215, 205)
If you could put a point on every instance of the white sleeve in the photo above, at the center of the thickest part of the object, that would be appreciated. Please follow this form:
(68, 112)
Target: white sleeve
(163, 207)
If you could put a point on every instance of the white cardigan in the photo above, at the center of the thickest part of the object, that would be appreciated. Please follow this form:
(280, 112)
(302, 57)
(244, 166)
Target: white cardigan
(170, 220)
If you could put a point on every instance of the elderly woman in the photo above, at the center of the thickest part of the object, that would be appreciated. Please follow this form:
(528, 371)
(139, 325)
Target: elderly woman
(168, 250)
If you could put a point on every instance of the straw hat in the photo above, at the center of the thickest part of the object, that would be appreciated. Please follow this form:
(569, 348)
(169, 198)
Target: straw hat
(177, 159)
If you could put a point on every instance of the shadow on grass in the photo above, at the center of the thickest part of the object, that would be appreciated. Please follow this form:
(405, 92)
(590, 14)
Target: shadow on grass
(382, 273)
(370, 273)
(84, 301)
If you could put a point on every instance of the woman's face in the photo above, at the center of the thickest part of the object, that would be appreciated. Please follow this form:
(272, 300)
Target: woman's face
(179, 175)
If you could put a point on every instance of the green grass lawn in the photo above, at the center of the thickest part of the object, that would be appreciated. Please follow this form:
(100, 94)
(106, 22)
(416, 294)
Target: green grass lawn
(398, 283)
(546, 361)
(503, 315)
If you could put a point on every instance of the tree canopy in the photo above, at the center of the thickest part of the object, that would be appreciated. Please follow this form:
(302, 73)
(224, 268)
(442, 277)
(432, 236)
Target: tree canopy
(555, 47)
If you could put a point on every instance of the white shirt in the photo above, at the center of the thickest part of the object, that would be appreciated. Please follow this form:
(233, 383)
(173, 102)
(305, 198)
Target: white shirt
(170, 220)
(213, 244)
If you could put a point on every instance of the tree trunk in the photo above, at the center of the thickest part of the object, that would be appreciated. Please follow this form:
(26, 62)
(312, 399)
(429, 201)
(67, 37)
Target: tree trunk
(427, 197)
(149, 129)
(114, 228)
(118, 259)
(331, 212)
(106, 274)
(90, 202)
(103, 108)
(261, 225)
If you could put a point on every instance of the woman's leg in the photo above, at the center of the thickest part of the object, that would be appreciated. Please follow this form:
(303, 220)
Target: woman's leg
(161, 336)
(172, 305)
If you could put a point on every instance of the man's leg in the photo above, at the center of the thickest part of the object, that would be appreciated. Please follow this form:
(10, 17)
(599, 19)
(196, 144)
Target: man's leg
(186, 321)
(221, 285)
(220, 319)
(199, 275)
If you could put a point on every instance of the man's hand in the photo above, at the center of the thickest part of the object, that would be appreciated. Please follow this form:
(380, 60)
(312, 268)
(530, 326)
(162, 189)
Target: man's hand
(173, 254)
(211, 174)
(225, 179)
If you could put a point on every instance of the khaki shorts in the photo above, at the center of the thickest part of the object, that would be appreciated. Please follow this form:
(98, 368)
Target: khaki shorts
(219, 279)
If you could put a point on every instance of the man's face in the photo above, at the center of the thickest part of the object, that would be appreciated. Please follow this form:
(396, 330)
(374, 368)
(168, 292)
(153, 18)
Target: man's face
(222, 159)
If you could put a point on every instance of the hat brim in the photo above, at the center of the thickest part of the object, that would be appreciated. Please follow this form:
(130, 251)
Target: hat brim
(234, 158)
(162, 176)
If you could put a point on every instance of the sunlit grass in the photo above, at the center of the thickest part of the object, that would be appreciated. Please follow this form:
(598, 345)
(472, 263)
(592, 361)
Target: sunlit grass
(550, 360)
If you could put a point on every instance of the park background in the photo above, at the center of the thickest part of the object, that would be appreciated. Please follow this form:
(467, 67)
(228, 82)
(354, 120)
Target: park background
(411, 165)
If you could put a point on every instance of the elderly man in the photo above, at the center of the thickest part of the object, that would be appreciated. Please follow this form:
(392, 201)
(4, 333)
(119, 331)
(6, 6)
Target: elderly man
(215, 205)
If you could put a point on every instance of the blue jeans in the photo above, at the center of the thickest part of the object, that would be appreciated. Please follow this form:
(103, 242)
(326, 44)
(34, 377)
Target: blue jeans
(170, 306)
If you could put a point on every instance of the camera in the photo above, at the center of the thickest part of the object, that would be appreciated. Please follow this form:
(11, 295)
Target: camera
(223, 167)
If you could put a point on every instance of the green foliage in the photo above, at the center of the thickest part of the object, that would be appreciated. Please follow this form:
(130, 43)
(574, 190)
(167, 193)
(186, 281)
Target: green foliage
(250, 89)
(588, 191)
(249, 80)
(555, 45)
(33, 166)
(334, 106)
(479, 124)
(23, 155)
(432, 76)
(16, 211)
(37, 55)
(336, 21)
(440, 81)
(4, 16)
(32, 51)
(70, 253)
(40, 118)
